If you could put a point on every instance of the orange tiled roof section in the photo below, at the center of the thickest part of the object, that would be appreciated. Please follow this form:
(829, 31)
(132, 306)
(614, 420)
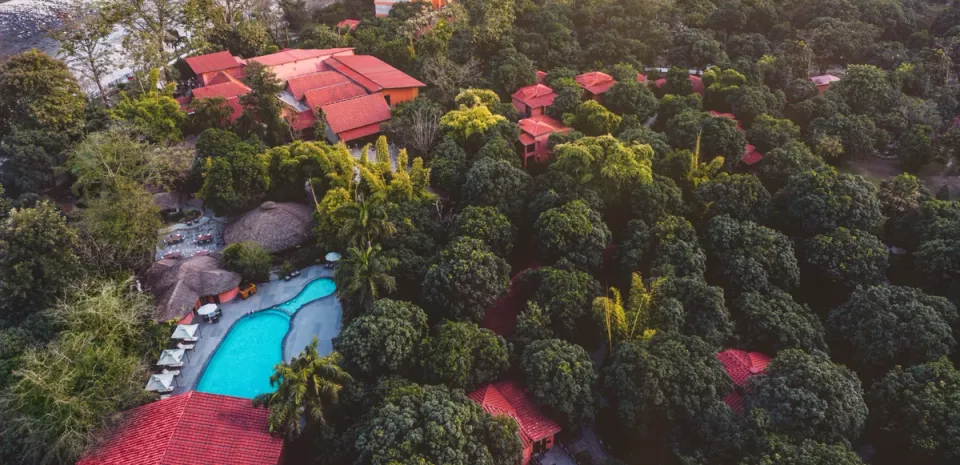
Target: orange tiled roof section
(335, 93)
(293, 54)
(508, 398)
(193, 427)
(212, 62)
(372, 73)
(540, 125)
(300, 85)
(595, 82)
(356, 113)
(535, 96)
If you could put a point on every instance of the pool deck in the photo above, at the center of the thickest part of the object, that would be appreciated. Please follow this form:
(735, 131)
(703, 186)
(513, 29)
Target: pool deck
(312, 320)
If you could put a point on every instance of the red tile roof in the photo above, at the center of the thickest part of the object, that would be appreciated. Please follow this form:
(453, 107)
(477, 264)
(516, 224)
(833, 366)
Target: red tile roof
(695, 82)
(300, 85)
(535, 96)
(741, 365)
(303, 120)
(212, 62)
(356, 113)
(363, 131)
(351, 23)
(540, 125)
(292, 54)
(824, 80)
(335, 93)
(501, 318)
(717, 114)
(225, 90)
(372, 73)
(641, 78)
(508, 398)
(595, 82)
(193, 427)
(750, 155)
(541, 76)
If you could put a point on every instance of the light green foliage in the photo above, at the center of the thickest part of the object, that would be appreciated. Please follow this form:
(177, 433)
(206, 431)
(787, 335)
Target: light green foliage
(593, 119)
(467, 122)
(249, 260)
(605, 165)
(154, 114)
(119, 230)
(39, 93)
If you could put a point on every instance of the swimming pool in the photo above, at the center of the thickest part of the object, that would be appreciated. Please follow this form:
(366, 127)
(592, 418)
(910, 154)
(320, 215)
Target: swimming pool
(244, 361)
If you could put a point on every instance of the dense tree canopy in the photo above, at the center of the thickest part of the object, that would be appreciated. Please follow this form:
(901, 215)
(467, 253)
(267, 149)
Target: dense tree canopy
(572, 232)
(466, 281)
(748, 257)
(463, 356)
(772, 321)
(562, 379)
(815, 202)
(384, 340)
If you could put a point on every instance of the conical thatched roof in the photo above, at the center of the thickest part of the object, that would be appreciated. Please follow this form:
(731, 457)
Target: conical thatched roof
(275, 226)
(177, 284)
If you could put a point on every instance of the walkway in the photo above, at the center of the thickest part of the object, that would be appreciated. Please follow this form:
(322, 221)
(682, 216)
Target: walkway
(309, 321)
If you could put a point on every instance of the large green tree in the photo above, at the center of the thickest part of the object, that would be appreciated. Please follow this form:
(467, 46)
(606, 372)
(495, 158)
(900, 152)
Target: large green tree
(466, 281)
(572, 232)
(363, 276)
(879, 327)
(248, 259)
(781, 450)
(740, 196)
(691, 307)
(119, 230)
(566, 296)
(781, 163)
(562, 379)
(772, 321)
(496, 183)
(462, 355)
(383, 341)
(39, 93)
(841, 260)
(807, 396)
(747, 257)
(815, 202)
(488, 225)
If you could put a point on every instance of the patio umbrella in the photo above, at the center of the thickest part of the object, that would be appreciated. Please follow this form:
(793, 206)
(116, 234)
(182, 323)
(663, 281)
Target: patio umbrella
(207, 309)
(333, 257)
(186, 332)
(163, 382)
(171, 358)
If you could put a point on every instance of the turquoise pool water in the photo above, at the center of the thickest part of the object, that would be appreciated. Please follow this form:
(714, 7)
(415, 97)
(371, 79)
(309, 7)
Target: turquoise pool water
(242, 365)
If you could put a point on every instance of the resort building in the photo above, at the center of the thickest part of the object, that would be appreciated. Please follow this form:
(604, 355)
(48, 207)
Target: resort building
(695, 81)
(740, 366)
(274, 226)
(823, 81)
(313, 79)
(181, 286)
(533, 100)
(347, 25)
(382, 7)
(595, 84)
(193, 427)
(534, 134)
(508, 398)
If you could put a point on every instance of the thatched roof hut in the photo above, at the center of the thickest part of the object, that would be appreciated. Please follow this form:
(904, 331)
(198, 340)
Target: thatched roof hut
(275, 226)
(177, 284)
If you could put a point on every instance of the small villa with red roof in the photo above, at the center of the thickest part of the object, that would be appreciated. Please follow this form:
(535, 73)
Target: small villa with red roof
(695, 81)
(740, 366)
(193, 427)
(347, 25)
(314, 79)
(595, 84)
(823, 81)
(534, 134)
(751, 156)
(508, 398)
(533, 100)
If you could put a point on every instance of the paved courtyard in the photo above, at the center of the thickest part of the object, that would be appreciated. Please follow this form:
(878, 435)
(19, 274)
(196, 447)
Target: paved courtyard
(189, 246)
(312, 320)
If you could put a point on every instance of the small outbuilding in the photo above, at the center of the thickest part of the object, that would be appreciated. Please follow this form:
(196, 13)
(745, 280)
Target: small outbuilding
(181, 285)
(823, 81)
(276, 226)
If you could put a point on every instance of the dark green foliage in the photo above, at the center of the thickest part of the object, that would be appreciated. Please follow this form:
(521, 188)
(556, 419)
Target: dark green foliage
(915, 411)
(781, 163)
(466, 281)
(566, 296)
(510, 70)
(644, 135)
(463, 356)
(720, 137)
(676, 249)
(815, 202)
(449, 166)
(841, 260)
(383, 341)
(533, 324)
(568, 96)
(747, 257)
(772, 321)
(695, 48)
(488, 225)
(691, 307)
(651, 201)
(498, 148)
(740, 196)
(414, 245)
(433, 424)
(779, 450)
(631, 98)
(937, 265)
(879, 327)
(858, 135)
(633, 250)
(866, 90)
(31, 159)
(768, 133)
(572, 232)
(562, 379)
(497, 184)
(261, 106)
(249, 260)
(38, 92)
(807, 396)
(750, 102)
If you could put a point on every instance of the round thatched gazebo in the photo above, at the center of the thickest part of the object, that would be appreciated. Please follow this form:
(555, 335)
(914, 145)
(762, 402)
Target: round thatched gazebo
(275, 226)
(179, 284)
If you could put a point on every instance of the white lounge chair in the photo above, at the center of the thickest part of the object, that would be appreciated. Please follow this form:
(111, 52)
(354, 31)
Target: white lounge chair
(175, 372)
(186, 346)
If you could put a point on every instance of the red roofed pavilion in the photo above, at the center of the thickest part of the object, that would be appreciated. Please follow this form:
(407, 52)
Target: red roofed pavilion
(533, 100)
(750, 155)
(823, 81)
(695, 82)
(508, 398)
(355, 118)
(535, 132)
(595, 84)
(193, 427)
(740, 366)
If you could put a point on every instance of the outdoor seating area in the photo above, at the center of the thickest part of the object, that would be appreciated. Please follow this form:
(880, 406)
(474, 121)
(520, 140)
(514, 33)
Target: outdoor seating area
(164, 381)
(192, 241)
(291, 275)
(211, 313)
(332, 259)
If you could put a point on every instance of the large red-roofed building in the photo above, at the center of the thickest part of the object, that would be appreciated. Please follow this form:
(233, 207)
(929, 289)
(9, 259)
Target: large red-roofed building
(533, 100)
(193, 427)
(740, 366)
(534, 134)
(595, 84)
(508, 398)
(356, 117)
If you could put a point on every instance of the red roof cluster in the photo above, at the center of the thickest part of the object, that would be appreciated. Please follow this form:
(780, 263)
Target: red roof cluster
(372, 73)
(193, 427)
(356, 117)
(300, 85)
(750, 155)
(213, 62)
(335, 93)
(741, 365)
(595, 82)
(289, 55)
(508, 398)
(535, 96)
(824, 80)
(226, 90)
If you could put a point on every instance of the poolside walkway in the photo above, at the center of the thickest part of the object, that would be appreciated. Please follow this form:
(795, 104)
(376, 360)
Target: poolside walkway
(313, 319)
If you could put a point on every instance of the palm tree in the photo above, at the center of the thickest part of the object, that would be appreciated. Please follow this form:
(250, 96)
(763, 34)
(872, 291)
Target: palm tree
(364, 221)
(305, 387)
(363, 274)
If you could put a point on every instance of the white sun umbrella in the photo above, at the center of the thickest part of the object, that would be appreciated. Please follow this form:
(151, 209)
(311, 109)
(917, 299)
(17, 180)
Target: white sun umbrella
(333, 257)
(207, 309)
(171, 358)
(163, 382)
(186, 332)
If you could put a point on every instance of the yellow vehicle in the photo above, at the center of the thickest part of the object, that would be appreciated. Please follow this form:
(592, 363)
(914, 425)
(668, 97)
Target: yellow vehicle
(248, 291)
